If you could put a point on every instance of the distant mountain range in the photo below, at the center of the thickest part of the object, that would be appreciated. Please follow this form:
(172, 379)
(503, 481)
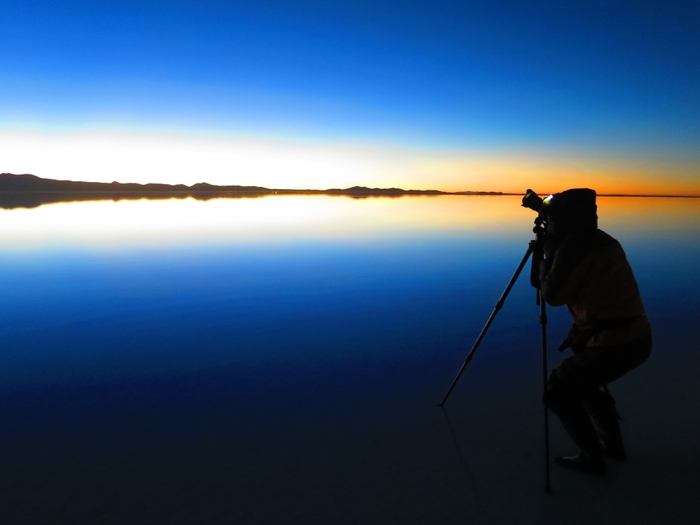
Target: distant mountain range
(30, 191)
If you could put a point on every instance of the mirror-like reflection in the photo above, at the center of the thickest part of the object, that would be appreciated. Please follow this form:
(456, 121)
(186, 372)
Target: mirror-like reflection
(174, 222)
(108, 289)
(177, 222)
(267, 350)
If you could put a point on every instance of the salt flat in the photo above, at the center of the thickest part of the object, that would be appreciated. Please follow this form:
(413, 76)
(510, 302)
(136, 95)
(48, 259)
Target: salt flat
(361, 444)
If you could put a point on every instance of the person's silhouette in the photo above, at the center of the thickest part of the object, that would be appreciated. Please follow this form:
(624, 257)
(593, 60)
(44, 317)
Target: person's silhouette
(587, 270)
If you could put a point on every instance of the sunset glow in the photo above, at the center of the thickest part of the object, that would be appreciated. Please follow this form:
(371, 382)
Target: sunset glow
(186, 222)
(102, 156)
(290, 95)
(98, 225)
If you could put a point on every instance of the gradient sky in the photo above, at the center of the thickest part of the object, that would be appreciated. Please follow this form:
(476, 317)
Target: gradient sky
(446, 95)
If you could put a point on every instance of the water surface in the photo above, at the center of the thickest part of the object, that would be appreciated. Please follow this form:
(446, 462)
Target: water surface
(231, 331)
(110, 289)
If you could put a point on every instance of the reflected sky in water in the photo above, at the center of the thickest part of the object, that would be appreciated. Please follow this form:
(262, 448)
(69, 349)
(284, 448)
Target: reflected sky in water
(103, 290)
(266, 220)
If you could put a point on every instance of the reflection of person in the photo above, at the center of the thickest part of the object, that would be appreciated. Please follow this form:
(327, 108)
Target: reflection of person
(587, 270)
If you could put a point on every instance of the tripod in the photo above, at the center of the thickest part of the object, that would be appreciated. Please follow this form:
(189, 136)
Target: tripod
(534, 247)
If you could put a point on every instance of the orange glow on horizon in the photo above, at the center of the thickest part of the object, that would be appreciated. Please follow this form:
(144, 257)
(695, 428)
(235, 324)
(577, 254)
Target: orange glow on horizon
(660, 214)
(554, 173)
(180, 158)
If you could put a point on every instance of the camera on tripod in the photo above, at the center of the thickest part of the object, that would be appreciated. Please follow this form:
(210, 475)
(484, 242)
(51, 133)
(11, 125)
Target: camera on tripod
(536, 203)
(533, 201)
(573, 210)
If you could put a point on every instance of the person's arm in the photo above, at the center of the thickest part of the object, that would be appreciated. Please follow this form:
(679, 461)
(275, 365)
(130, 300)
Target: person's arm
(563, 270)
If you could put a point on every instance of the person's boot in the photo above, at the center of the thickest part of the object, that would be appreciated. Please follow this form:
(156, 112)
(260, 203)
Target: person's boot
(601, 409)
(583, 462)
(579, 426)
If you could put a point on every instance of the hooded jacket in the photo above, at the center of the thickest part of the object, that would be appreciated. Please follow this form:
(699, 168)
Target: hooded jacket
(589, 273)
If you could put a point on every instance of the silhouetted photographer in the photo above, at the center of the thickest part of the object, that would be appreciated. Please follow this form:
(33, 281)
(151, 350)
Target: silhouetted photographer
(586, 269)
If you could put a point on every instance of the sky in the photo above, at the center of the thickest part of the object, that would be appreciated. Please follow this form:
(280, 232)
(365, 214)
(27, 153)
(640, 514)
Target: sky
(487, 96)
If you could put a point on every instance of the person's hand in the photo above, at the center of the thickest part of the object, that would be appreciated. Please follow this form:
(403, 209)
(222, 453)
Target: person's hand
(543, 268)
(551, 245)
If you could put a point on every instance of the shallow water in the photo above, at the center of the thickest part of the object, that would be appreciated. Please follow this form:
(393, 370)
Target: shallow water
(131, 324)
(106, 290)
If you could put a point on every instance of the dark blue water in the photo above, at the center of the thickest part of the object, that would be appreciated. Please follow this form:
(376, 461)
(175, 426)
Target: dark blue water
(114, 350)
(80, 313)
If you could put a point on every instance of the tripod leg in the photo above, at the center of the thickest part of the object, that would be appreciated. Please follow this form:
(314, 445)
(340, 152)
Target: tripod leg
(498, 306)
(543, 322)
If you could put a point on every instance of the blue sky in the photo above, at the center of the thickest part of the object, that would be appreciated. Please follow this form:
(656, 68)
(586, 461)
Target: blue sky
(578, 87)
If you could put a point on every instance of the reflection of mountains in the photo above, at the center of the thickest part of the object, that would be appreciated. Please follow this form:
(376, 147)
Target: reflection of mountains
(30, 191)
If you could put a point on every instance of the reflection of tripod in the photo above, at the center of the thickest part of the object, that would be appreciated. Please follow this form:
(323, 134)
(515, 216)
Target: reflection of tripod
(535, 247)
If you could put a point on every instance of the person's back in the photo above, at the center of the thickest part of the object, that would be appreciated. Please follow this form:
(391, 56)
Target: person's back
(591, 276)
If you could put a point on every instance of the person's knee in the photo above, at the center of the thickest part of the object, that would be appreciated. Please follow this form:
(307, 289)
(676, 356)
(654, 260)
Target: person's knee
(558, 396)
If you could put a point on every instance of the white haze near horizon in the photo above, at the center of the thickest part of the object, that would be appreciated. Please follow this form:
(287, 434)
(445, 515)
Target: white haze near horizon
(180, 158)
(188, 157)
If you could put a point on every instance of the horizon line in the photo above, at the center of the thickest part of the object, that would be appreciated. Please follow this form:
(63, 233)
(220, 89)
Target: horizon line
(408, 193)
